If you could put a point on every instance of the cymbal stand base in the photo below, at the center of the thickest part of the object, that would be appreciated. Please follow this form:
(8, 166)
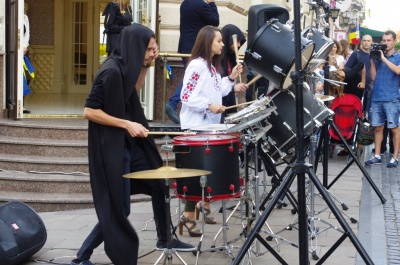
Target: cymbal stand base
(167, 255)
(168, 252)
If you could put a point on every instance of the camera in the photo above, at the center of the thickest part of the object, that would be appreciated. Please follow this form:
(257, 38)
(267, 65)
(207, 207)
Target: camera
(375, 51)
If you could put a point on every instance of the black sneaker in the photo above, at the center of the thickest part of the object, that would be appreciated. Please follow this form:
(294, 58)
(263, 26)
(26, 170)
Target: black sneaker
(176, 245)
(172, 114)
(342, 153)
(393, 163)
(374, 161)
(79, 262)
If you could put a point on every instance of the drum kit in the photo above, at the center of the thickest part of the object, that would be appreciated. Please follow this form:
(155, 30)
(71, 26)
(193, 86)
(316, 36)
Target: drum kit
(212, 152)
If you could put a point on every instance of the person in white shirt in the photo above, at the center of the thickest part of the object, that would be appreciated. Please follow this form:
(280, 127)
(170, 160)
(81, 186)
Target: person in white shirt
(203, 87)
(201, 97)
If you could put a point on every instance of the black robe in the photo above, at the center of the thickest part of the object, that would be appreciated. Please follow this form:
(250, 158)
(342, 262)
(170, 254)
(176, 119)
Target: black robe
(118, 76)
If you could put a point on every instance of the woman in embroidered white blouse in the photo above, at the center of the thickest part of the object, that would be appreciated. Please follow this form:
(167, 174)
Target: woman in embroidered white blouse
(203, 87)
(201, 96)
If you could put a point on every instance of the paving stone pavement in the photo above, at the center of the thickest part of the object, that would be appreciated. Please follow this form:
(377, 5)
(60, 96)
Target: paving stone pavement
(377, 230)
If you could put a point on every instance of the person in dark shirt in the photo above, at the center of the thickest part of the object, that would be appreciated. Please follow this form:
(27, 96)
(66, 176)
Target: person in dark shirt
(119, 144)
(117, 16)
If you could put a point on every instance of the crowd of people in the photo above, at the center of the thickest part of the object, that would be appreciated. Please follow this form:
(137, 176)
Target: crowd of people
(119, 142)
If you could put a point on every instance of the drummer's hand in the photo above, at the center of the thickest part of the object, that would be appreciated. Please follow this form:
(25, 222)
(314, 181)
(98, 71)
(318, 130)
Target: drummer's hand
(136, 129)
(361, 85)
(216, 108)
(236, 71)
(239, 88)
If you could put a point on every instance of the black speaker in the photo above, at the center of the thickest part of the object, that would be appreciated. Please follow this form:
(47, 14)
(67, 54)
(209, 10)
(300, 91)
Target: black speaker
(22, 233)
(260, 14)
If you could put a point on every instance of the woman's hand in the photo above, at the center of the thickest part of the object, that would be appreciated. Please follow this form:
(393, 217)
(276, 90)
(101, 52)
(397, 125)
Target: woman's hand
(236, 71)
(239, 88)
(216, 108)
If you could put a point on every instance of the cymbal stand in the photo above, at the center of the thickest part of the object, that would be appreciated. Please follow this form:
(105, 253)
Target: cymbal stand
(168, 252)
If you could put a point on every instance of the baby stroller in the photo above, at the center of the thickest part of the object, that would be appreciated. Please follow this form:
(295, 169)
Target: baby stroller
(348, 112)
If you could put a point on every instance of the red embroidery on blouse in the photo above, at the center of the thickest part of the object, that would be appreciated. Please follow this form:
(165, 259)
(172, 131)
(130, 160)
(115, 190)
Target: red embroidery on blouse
(190, 86)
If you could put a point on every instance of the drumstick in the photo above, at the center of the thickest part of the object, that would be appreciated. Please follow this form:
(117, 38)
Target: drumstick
(254, 80)
(170, 133)
(234, 37)
(238, 105)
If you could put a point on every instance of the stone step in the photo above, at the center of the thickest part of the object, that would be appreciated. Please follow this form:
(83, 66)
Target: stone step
(44, 183)
(43, 147)
(49, 164)
(62, 129)
(52, 202)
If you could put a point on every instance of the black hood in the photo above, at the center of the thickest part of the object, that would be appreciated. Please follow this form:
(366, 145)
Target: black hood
(130, 58)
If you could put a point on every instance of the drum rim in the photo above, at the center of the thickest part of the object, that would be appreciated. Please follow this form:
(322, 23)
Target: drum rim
(184, 139)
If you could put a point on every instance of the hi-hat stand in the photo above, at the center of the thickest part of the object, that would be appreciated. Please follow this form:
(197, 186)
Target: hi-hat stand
(299, 169)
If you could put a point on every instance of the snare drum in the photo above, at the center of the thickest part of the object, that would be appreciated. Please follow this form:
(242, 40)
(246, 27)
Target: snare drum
(272, 53)
(213, 152)
(282, 135)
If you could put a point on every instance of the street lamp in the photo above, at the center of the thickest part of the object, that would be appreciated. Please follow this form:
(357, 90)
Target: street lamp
(334, 13)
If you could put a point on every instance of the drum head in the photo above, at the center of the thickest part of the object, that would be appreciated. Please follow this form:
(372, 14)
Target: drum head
(212, 128)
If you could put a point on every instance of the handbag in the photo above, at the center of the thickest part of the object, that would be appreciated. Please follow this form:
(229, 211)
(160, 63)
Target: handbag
(365, 133)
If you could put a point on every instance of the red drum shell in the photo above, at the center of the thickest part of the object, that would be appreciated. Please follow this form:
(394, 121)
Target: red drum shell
(216, 153)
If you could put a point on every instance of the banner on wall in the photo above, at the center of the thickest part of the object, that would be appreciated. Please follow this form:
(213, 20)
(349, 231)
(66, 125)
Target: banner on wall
(340, 35)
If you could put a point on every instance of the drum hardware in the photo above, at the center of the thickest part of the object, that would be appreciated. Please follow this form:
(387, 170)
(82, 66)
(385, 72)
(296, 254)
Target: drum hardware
(299, 170)
(167, 173)
(251, 119)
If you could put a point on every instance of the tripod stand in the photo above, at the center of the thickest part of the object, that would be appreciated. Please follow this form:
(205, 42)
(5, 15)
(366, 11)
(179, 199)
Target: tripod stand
(300, 168)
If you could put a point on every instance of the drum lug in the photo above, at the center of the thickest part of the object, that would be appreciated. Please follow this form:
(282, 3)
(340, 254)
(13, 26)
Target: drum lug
(184, 189)
(208, 150)
(278, 70)
(256, 56)
(209, 190)
(230, 148)
(232, 188)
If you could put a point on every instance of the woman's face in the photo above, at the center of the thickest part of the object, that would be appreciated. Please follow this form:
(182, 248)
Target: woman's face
(334, 49)
(217, 45)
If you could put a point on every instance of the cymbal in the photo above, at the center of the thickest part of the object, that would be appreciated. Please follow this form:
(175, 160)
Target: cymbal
(325, 97)
(167, 173)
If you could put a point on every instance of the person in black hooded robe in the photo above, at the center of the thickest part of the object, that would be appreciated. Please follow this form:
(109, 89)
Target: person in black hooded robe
(119, 144)
(228, 62)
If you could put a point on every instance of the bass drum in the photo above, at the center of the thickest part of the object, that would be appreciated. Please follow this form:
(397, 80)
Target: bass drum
(272, 53)
(323, 46)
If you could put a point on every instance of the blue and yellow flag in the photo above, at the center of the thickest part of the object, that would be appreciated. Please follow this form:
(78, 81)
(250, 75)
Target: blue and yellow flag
(354, 35)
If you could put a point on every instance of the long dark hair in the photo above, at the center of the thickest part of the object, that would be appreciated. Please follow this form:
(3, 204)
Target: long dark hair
(203, 47)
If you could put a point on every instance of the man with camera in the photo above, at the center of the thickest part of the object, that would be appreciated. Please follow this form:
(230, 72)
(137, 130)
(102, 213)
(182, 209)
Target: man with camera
(385, 70)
